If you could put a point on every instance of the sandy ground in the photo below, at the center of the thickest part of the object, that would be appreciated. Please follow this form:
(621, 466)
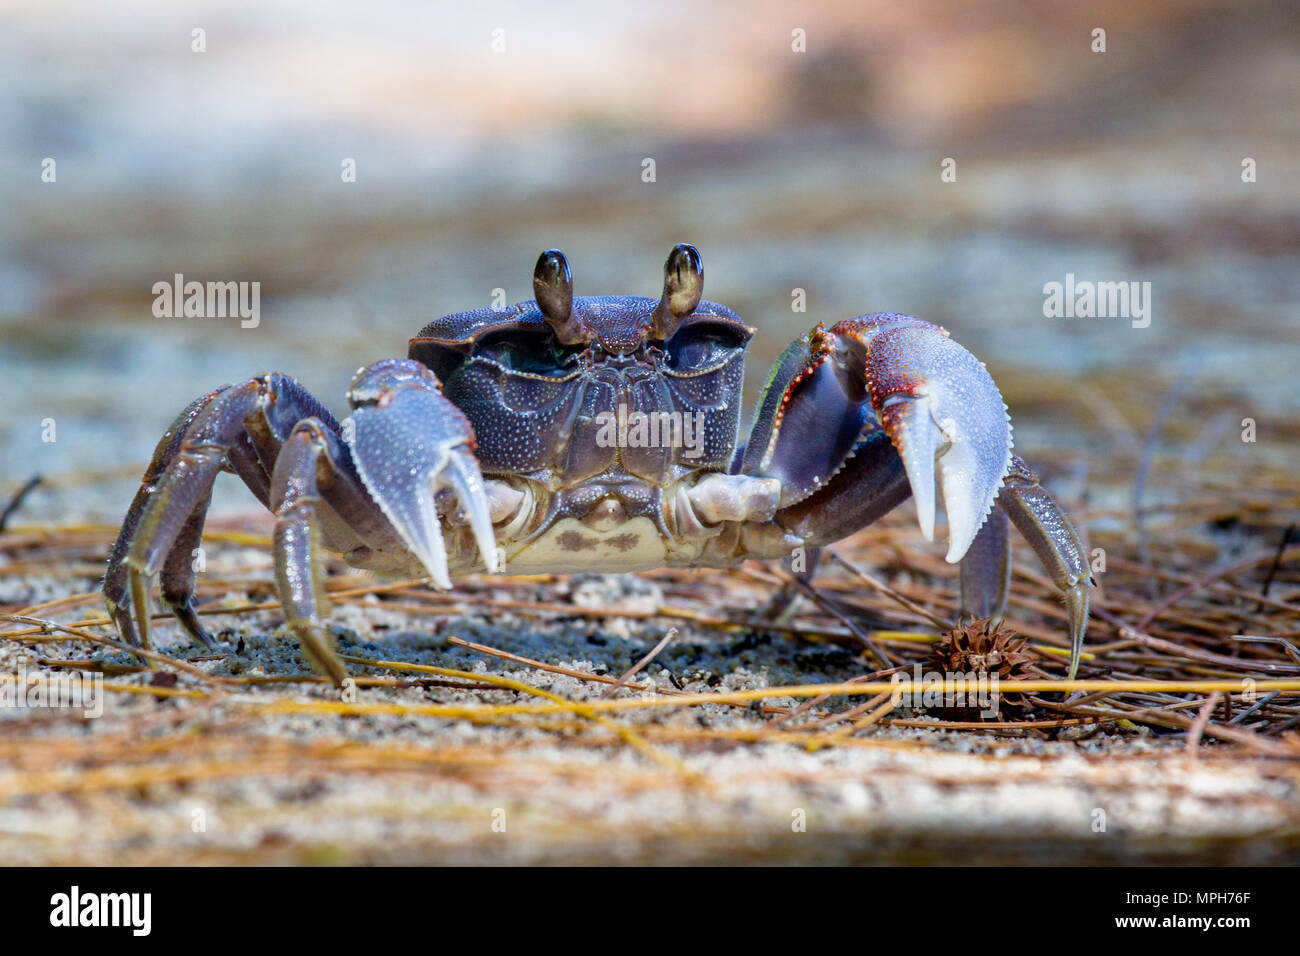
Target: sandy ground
(228, 777)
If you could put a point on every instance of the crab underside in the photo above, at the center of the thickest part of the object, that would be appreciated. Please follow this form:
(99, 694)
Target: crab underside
(600, 433)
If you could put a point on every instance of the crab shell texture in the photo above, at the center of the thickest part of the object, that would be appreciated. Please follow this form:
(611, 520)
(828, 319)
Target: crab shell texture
(548, 415)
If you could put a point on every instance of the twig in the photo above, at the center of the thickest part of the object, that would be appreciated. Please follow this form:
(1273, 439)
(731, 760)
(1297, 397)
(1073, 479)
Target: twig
(1201, 582)
(109, 642)
(1199, 724)
(1263, 591)
(1149, 444)
(1263, 701)
(639, 665)
(830, 608)
(17, 500)
(885, 589)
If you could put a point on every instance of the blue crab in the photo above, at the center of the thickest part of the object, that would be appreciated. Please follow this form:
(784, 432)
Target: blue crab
(600, 433)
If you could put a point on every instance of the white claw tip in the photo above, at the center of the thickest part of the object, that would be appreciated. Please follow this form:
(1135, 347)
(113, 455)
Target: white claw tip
(925, 518)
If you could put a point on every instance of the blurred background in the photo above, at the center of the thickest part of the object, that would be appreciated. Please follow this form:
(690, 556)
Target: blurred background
(800, 146)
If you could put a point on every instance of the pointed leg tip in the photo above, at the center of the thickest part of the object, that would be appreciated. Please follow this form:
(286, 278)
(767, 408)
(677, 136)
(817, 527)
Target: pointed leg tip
(189, 619)
(1077, 602)
(318, 647)
(140, 608)
(120, 615)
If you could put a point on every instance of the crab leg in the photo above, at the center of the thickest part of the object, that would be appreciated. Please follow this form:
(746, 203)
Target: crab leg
(299, 577)
(178, 570)
(1049, 532)
(986, 570)
(177, 578)
(242, 429)
(243, 460)
(117, 577)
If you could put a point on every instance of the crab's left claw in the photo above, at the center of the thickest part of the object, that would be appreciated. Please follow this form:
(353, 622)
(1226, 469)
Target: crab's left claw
(408, 442)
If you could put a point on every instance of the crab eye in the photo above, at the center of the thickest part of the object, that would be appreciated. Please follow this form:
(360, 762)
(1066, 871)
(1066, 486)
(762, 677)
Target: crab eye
(533, 353)
(701, 346)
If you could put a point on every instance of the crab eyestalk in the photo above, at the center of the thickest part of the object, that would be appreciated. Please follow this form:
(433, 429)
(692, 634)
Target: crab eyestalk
(553, 289)
(683, 287)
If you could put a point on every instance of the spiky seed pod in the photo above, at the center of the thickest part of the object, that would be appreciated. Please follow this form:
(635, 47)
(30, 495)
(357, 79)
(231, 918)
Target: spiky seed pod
(984, 648)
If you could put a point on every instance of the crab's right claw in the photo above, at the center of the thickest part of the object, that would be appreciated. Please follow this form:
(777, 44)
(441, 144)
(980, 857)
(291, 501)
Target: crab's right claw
(409, 442)
(947, 420)
(936, 401)
(942, 411)
(941, 420)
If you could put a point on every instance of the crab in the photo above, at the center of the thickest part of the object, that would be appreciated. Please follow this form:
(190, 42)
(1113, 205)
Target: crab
(599, 433)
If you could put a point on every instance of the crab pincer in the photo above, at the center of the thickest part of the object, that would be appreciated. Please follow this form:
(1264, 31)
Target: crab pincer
(942, 411)
(409, 442)
(946, 418)
(936, 402)
(898, 377)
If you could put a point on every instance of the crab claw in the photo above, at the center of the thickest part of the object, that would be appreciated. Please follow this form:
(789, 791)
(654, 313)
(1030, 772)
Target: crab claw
(941, 410)
(941, 421)
(409, 442)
